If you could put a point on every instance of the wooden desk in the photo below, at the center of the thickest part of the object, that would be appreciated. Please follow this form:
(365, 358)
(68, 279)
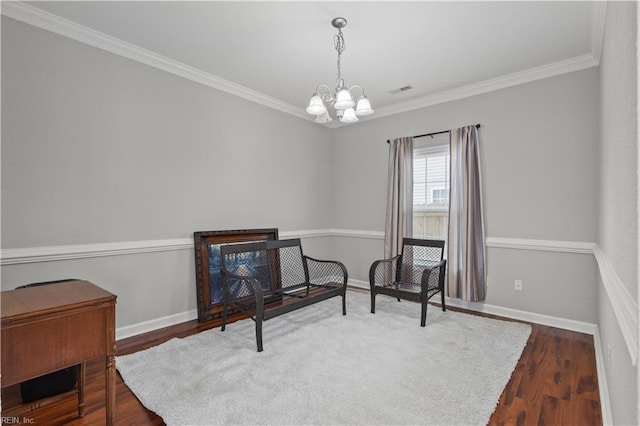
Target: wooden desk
(51, 327)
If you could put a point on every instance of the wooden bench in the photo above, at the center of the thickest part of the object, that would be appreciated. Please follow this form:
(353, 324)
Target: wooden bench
(269, 278)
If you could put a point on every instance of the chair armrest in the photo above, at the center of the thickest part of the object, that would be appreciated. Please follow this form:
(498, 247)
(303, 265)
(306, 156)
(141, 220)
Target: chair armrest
(325, 271)
(239, 291)
(428, 279)
(383, 271)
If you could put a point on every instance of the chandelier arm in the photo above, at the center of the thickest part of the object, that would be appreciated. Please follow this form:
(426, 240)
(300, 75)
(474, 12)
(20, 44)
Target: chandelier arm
(358, 86)
(325, 96)
(320, 86)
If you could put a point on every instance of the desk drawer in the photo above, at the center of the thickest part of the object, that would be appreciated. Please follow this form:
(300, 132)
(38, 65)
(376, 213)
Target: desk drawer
(38, 347)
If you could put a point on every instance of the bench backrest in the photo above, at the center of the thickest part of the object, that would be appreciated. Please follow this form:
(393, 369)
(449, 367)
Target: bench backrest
(276, 264)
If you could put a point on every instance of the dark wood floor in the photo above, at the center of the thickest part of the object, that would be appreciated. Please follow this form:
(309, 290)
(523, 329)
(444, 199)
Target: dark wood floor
(554, 383)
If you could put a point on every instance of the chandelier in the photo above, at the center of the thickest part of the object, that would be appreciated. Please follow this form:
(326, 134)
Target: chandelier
(341, 99)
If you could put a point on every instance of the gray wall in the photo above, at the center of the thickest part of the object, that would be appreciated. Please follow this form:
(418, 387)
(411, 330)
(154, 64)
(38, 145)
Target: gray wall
(538, 146)
(97, 148)
(618, 230)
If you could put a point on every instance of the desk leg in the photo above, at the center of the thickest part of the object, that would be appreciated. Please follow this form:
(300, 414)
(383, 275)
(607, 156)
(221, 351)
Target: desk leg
(81, 377)
(110, 378)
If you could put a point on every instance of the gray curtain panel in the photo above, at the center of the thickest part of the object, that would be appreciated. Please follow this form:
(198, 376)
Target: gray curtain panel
(466, 255)
(399, 221)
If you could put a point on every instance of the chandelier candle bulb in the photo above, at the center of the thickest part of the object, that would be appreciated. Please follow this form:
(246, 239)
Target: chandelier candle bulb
(316, 106)
(324, 117)
(344, 100)
(341, 99)
(364, 106)
(349, 116)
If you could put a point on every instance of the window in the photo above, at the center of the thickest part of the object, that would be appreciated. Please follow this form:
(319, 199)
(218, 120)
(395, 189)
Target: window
(431, 183)
(440, 196)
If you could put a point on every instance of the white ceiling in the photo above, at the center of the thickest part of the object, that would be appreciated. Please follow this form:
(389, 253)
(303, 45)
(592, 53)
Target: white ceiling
(277, 52)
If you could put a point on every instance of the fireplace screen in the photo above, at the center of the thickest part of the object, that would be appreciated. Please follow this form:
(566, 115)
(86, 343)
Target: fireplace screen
(208, 263)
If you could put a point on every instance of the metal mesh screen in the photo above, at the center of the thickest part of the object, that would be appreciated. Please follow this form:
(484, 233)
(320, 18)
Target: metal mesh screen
(289, 261)
(249, 264)
(385, 273)
(325, 273)
(415, 259)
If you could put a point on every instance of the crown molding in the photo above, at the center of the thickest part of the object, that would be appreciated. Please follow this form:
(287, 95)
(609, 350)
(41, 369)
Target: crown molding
(64, 27)
(598, 12)
(58, 25)
(533, 74)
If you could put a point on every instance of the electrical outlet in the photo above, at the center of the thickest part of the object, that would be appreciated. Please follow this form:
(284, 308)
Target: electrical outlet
(517, 285)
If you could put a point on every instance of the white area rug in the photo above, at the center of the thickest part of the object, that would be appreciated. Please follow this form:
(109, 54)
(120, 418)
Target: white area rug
(319, 367)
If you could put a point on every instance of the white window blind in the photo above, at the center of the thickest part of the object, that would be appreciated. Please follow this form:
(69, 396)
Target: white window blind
(431, 177)
(431, 185)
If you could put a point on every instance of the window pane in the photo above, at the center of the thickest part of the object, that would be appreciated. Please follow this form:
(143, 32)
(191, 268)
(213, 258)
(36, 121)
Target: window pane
(431, 183)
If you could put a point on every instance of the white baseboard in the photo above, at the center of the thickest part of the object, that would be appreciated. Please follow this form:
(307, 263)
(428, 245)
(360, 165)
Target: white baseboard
(155, 324)
(534, 317)
(603, 388)
(548, 320)
(359, 284)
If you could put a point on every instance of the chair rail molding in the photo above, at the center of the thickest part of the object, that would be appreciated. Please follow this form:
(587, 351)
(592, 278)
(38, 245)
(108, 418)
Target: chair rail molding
(14, 256)
(82, 251)
(624, 305)
(578, 247)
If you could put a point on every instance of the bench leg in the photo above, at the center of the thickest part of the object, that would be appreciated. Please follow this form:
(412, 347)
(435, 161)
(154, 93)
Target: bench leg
(259, 334)
(259, 311)
(224, 316)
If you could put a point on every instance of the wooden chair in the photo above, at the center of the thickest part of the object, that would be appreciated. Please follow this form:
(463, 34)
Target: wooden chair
(417, 274)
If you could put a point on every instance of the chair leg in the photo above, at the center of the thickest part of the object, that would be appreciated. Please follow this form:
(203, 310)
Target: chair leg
(373, 302)
(444, 308)
(398, 299)
(344, 304)
(423, 315)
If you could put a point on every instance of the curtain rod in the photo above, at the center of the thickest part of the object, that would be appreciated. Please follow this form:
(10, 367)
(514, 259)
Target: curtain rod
(433, 134)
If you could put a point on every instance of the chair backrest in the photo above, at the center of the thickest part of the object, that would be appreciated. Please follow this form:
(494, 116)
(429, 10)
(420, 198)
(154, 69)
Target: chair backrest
(416, 254)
